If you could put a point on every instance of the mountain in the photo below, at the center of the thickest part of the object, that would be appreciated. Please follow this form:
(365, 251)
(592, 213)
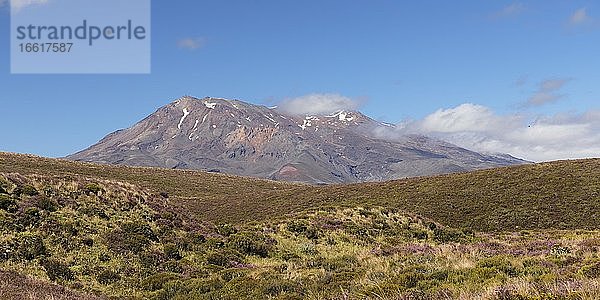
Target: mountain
(235, 137)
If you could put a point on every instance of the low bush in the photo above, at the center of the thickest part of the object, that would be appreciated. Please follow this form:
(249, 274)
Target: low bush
(224, 258)
(28, 190)
(93, 188)
(8, 204)
(447, 235)
(250, 244)
(226, 229)
(303, 227)
(108, 277)
(157, 281)
(131, 237)
(57, 270)
(30, 246)
(591, 271)
(47, 204)
(172, 252)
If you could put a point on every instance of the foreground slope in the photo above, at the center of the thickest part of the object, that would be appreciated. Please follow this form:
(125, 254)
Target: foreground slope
(561, 195)
(114, 240)
(235, 137)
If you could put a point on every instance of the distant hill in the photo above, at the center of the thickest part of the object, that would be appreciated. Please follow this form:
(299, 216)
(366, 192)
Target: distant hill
(560, 195)
(234, 137)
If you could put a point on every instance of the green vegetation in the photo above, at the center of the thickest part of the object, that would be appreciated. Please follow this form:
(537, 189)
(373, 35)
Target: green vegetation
(81, 231)
(119, 241)
(558, 195)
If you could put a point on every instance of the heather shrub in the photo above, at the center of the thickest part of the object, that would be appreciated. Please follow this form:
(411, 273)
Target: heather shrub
(108, 277)
(132, 237)
(157, 281)
(93, 188)
(47, 204)
(28, 190)
(303, 227)
(30, 246)
(57, 270)
(250, 244)
(226, 229)
(224, 258)
(447, 235)
(591, 271)
(8, 204)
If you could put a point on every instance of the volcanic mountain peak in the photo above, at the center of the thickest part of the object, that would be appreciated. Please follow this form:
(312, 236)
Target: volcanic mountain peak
(236, 137)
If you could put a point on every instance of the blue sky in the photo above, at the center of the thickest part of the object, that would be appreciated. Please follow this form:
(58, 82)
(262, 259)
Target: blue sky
(404, 61)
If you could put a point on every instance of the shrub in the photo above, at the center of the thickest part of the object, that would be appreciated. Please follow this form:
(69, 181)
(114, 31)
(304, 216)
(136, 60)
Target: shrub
(8, 204)
(171, 251)
(344, 263)
(46, 204)
(28, 190)
(359, 231)
(93, 188)
(30, 217)
(499, 263)
(157, 281)
(30, 247)
(303, 227)
(198, 287)
(250, 244)
(57, 270)
(88, 242)
(173, 267)
(447, 235)
(409, 279)
(140, 228)
(108, 277)
(120, 242)
(226, 229)
(223, 258)
(309, 249)
(132, 237)
(274, 286)
(420, 235)
(591, 271)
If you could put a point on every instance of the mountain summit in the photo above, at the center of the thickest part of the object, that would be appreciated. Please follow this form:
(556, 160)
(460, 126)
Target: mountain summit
(234, 137)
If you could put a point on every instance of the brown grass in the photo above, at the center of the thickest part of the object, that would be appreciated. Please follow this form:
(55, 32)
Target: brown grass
(557, 195)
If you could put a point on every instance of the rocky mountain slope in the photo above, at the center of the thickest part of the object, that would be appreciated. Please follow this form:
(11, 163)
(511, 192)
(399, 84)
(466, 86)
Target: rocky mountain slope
(235, 137)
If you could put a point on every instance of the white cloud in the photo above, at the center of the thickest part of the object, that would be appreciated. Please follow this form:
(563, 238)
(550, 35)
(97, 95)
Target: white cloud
(191, 43)
(510, 10)
(548, 92)
(17, 5)
(466, 117)
(579, 17)
(476, 127)
(318, 104)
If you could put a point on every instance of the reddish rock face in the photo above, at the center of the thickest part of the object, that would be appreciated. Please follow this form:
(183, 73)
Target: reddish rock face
(235, 137)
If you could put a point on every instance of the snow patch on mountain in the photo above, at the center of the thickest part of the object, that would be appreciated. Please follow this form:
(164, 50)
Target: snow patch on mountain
(186, 112)
(210, 105)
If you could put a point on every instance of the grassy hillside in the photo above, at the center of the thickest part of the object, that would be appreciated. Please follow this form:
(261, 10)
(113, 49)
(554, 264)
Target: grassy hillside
(558, 195)
(106, 238)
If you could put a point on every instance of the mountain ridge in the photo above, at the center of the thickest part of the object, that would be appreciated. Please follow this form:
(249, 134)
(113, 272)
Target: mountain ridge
(235, 137)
